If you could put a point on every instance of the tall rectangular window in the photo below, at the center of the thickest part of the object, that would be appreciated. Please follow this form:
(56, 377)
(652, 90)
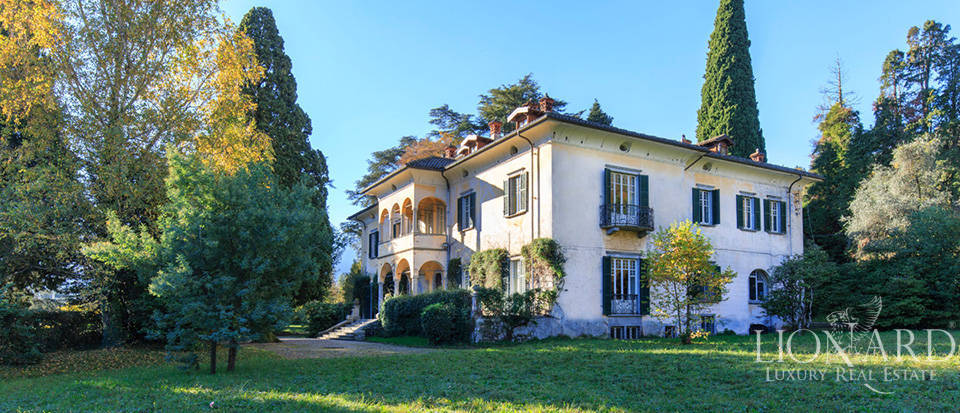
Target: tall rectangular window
(466, 211)
(515, 194)
(775, 215)
(706, 207)
(373, 244)
(748, 213)
(518, 277)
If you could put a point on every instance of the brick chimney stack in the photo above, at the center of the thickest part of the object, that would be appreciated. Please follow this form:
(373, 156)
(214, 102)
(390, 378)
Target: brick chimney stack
(496, 127)
(757, 156)
(450, 152)
(546, 104)
(683, 138)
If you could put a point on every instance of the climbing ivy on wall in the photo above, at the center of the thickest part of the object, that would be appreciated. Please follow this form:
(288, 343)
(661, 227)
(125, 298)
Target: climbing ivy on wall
(488, 267)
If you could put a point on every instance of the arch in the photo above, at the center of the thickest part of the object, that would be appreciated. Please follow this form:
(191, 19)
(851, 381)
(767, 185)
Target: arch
(407, 219)
(402, 279)
(395, 221)
(758, 285)
(431, 216)
(384, 225)
(385, 270)
(431, 272)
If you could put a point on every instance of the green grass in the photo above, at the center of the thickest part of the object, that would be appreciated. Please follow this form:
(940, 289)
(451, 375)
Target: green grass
(408, 341)
(294, 330)
(552, 375)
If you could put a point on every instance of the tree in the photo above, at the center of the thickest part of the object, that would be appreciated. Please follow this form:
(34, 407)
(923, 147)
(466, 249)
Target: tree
(795, 283)
(277, 114)
(452, 123)
(497, 103)
(598, 115)
(233, 250)
(682, 279)
(919, 177)
(728, 99)
(827, 201)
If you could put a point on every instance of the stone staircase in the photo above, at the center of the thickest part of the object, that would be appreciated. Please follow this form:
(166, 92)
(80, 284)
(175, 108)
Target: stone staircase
(353, 331)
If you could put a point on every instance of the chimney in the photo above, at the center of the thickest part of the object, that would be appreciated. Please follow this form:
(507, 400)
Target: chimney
(683, 138)
(450, 152)
(495, 128)
(546, 104)
(757, 156)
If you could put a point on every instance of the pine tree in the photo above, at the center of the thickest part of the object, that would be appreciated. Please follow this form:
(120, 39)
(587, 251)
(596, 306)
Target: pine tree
(278, 115)
(729, 102)
(598, 115)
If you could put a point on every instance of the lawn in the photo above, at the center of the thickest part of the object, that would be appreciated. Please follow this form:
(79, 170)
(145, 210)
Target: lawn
(552, 375)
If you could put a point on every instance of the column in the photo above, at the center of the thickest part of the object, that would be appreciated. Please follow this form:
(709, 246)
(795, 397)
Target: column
(443, 278)
(379, 297)
(414, 284)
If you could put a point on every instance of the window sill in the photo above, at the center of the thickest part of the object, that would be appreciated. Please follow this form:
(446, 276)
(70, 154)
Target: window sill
(776, 233)
(755, 302)
(515, 214)
(627, 315)
(749, 230)
(704, 224)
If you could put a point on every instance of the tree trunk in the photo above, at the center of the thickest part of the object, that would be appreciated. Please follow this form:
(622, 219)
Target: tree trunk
(232, 355)
(213, 357)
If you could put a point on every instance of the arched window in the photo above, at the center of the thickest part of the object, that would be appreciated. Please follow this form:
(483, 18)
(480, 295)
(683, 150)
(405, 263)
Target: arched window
(431, 216)
(407, 217)
(384, 225)
(758, 285)
(395, 222)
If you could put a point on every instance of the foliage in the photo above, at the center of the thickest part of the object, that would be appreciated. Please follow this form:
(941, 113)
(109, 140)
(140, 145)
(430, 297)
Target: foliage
(446, 323)
(320, 316)
(76, 329)
(598, 115)
(425, 148)
(489, 267)
(795, 283)
(380, 164)
(498, 102)
(543, 258)
(504, 313)
(728, 99)
(915, 180)
(454, 273)
(682, 280)
(233, 250)
(18, 331)
(827, 201)
(400, 315)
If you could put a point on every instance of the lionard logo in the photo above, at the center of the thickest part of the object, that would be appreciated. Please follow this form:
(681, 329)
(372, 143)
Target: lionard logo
(848, 352)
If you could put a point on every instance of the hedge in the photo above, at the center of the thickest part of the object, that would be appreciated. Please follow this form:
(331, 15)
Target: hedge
(401, 314)
(320, 316)
(444, 323)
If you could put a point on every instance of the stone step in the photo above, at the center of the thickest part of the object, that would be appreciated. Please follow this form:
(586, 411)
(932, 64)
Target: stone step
(352, 331)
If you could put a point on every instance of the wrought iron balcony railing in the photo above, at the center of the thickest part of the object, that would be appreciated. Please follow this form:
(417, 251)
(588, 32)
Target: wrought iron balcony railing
(625, 216)
(624, 304)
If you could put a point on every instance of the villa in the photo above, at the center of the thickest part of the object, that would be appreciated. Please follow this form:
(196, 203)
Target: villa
(599, 191)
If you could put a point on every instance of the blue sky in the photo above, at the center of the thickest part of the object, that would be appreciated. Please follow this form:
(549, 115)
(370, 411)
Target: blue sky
(368, 72)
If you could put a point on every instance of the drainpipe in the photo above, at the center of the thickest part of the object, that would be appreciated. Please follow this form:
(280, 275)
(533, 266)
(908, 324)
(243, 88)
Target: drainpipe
(790, 208)
(695, 161)
(532, 223)
(448, 228)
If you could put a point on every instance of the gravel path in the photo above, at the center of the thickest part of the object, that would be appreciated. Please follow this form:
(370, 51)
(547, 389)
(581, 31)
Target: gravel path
(305, 348)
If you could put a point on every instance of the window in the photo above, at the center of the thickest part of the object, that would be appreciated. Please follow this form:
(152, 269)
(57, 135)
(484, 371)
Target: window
(431, 216)
(395, 222)
(706, 206)
(515, 194)
(748, 213)
(623, 290)
(467, 211)
(626, 332)
(373, 246)
(758, 285)
(708, 323)
(775, 214)
(518, 277)
(623, 190)
(625, 200)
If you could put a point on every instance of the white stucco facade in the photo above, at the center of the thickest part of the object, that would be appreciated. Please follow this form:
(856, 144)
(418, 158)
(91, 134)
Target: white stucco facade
(563, 161)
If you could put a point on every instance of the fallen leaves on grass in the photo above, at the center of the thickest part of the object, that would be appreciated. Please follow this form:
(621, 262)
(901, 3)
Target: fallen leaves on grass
(73, 361)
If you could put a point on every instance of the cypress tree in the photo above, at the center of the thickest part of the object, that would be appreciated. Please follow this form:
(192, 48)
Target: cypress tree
(729, 102)
(598, 115)
(278, 115)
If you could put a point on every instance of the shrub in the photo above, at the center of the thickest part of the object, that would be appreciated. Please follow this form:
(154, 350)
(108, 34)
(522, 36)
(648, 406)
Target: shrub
(444, 323)
(320, 316)
(489, 267)
(73, 329)
(18, 333)
(507, 312)
(401, 314)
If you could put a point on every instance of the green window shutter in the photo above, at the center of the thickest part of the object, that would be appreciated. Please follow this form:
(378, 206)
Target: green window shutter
(606, 280)
(522, 198)
(716, 207)
(644, 293)
(740, 222)
(783, 217)
(756, 212)
(460, 222)
(506, 197)
(696, 206)
(606, 187)
(473, 209)
(766, 215)
(643, 191)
